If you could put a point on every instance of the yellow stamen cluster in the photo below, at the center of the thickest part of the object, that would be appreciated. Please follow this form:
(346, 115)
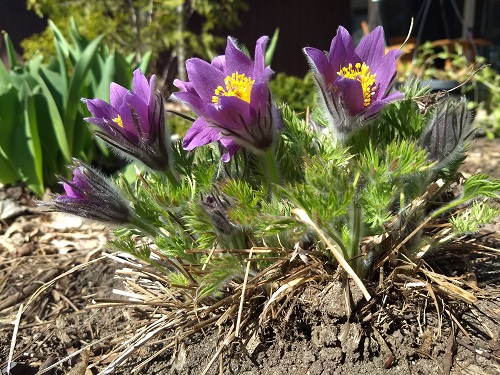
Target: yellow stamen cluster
(236, 85)
(361, 73)
(119, 121)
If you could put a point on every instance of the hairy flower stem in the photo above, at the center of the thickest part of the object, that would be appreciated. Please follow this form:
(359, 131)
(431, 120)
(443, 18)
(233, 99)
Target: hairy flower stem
(270, 169)
(171, 177)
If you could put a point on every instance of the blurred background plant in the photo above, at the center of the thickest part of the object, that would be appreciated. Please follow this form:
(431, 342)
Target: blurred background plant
(452, 64)
(41, 114)
(169, 28)
(297, 92)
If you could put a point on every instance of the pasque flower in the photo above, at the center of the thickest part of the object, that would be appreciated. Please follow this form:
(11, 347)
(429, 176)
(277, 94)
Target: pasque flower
(446, 133)
(134, 122)
(93, 196)
(232, 99)
(354, 83)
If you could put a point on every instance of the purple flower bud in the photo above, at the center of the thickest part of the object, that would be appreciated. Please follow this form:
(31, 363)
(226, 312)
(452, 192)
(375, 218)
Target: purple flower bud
(217, 205)
(445, 135)
(232, 99)
(354, 83)
(93, 196)
(134, 123)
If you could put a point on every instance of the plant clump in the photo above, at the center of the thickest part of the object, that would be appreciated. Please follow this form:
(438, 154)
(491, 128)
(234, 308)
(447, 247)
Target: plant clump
(257, 202)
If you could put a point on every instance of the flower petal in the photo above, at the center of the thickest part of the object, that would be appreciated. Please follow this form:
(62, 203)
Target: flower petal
(117, 94)
(232, 148)
(141, 86)
(386, 72)
(100, 109)
(371, 48)
(141, 111)
(260, 55)
(351, 94)
(237, 61)
(200, 134)
(204, 77)
(379, 104)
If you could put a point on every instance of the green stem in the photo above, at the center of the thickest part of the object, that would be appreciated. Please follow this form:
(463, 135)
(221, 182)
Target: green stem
(171, 177)
(271, 168)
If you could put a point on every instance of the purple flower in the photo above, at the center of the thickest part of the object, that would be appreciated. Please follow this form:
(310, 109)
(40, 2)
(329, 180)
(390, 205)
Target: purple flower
(93, 196)
(354, 83)
(134, 122)
(232, 99)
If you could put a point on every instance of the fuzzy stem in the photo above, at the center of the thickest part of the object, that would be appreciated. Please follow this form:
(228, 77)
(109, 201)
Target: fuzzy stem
(271, 168)
(171, 177)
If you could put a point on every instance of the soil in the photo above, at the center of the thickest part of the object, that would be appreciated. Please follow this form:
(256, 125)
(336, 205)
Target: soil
(397, 333)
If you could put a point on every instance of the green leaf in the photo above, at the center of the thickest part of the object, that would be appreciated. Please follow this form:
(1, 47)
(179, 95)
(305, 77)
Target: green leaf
(35, 176)
(77, 80)
(271, 49)
(11, 52)
(145, 60)
(56, 119)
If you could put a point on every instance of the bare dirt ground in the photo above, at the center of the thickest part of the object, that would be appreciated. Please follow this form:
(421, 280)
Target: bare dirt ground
(398, 333)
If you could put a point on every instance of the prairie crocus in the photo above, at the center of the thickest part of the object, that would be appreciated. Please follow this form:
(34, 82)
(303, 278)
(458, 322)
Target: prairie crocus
(134, 122)
(354, 83)
(446, 134)
(93, 196)
(232, 99)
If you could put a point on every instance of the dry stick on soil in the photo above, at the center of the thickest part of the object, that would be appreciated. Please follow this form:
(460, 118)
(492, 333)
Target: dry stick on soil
(243, 290)
(14, 336)
(302, 216)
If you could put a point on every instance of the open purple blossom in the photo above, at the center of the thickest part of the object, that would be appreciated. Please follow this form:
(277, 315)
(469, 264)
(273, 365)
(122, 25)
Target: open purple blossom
(354, 83)
(134, 123)
(232, 99)
(93, 196)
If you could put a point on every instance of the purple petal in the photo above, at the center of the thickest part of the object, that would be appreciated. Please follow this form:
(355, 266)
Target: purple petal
(219, 62)
(344, 38)
(260, 55)
(375, 107)
(352, 94)
(230, 113)
(70, 192)
(117, 94)
(100, 109)
(204, 77)
(192, 100)
(259, 97)
(317, 60)
(141, 111)
(371, 49)
(386, 72)
(237, 61)
(141, 86)
(129, 128)
(232, 148)
(200, 134)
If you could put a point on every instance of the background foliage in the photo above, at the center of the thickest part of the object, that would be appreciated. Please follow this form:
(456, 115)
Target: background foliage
(181, 28)
(41, 112)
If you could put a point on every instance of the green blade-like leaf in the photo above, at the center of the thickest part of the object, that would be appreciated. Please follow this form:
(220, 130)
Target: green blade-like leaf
(146, 59)
(271, 49)
(11, 52)
(56, 120)
(77, 80)
(35, 176)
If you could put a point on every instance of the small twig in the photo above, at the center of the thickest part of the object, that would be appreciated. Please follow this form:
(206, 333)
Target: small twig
(302, 216)
(242, 299)
(14, 337)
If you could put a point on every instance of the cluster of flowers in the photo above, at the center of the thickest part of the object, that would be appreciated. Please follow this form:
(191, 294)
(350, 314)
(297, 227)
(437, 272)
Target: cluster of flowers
(234, 105)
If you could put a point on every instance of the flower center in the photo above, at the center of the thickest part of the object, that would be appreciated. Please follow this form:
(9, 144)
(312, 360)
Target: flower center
(118, 120)
(236, 85)
(361, 73)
